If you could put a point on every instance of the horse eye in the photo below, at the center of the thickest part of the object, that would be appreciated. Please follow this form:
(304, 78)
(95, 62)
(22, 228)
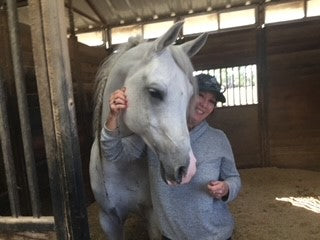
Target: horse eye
(156, 93)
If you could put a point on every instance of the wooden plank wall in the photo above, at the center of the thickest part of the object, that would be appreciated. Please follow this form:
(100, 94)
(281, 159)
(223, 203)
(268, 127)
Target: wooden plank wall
(240, 123)
(293, 73)
(292, 87)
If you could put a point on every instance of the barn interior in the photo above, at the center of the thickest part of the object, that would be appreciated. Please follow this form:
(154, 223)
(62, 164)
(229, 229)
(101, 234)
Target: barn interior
(266, 54)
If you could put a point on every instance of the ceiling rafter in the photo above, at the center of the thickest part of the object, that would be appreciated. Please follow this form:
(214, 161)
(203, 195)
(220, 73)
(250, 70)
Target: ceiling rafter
(83, 14)
(132, 8)
(95, 10)
(109, 3)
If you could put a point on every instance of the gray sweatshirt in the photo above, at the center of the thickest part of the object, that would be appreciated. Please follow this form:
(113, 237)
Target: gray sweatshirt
(187, 212)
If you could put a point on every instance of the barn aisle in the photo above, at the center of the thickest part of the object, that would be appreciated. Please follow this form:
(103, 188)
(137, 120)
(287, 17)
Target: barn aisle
(264, 210)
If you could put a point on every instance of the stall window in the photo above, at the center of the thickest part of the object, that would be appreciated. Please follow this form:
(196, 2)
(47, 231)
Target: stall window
(239, 84)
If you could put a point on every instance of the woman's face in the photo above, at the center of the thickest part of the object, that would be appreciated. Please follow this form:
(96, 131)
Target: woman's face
(205, 103)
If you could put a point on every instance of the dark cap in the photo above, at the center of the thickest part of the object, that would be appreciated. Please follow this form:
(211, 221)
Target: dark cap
(209, 83)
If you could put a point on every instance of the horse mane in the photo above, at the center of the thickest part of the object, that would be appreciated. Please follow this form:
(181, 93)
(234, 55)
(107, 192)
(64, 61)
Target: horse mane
(102, 77)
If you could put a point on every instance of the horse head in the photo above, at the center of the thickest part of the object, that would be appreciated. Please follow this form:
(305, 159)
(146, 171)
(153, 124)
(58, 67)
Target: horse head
(159, 82)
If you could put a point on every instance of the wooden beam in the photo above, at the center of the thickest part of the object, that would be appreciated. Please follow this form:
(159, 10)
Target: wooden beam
(52, 65)
(95, 10)
(21, 224)
(84, 14)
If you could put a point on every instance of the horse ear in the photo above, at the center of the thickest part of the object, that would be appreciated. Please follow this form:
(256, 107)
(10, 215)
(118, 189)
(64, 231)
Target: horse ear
(168, 38)
(192, 47)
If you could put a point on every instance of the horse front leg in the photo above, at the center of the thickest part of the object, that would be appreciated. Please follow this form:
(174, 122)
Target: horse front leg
(112, 225)
(153, 230)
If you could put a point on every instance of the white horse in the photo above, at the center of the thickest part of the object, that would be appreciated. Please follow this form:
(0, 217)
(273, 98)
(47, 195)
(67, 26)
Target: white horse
(159, 82)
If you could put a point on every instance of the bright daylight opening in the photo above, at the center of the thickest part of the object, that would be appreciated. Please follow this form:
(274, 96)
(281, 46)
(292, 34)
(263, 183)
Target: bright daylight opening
(284, 12)
(237, 18)
(201, 23)
(91, 39)
(122, 34)
(309, 203)
(154, 30)
(313, 8)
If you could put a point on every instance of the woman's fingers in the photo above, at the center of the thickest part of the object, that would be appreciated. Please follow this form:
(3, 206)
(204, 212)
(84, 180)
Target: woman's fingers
(218, 189)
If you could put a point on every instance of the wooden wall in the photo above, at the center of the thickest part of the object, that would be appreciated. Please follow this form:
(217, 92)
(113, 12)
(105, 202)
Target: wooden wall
(240, 123)
(293, 74)
(283, 130)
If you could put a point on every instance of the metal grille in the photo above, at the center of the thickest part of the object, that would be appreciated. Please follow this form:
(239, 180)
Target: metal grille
(239, 84)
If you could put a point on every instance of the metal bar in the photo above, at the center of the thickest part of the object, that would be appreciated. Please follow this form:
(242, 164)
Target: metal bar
(61, 139)
(246, 84)
(23, 108)
(10, 224)
(239, 87)
(252, 84)
(7, 153)
(233, 87)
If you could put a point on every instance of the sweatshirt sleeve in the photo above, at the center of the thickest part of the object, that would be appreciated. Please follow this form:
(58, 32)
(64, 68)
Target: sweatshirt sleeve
(230, 174)
(115, 148)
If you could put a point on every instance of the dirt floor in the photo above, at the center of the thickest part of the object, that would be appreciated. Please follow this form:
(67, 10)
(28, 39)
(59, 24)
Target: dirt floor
(273, 204)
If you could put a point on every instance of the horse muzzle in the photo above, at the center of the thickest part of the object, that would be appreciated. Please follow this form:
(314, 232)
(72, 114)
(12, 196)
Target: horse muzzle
(182, 174)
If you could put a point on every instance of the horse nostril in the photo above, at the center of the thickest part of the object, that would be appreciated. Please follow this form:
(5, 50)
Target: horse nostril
(181, 173)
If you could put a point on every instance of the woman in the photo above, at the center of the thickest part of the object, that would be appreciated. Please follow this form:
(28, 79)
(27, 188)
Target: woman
(197, 210)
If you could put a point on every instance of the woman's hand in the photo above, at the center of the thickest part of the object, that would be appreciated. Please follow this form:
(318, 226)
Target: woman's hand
(218, 189)
(117, 102)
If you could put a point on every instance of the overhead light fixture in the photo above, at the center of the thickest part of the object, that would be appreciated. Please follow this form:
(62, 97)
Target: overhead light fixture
(172, 14)
(138, 19)
(267, 1)
(209, 9)
(190, 11)
(155, 16)
(76, 29)
(228, 6)
(90, 26)
(248, 3)
(121, 21)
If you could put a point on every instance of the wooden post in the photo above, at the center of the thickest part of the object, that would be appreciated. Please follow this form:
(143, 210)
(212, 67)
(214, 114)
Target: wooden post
(52, 65)
(262, 89)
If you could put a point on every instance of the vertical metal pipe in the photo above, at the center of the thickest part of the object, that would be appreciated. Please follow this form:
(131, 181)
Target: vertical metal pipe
(253, 84)
(7, 152)
(239, 87)
(23, 107)
(233, 87)
(246, 84)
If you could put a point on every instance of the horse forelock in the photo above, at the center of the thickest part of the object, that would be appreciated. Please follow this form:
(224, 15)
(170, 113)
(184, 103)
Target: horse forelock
(102, 77)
